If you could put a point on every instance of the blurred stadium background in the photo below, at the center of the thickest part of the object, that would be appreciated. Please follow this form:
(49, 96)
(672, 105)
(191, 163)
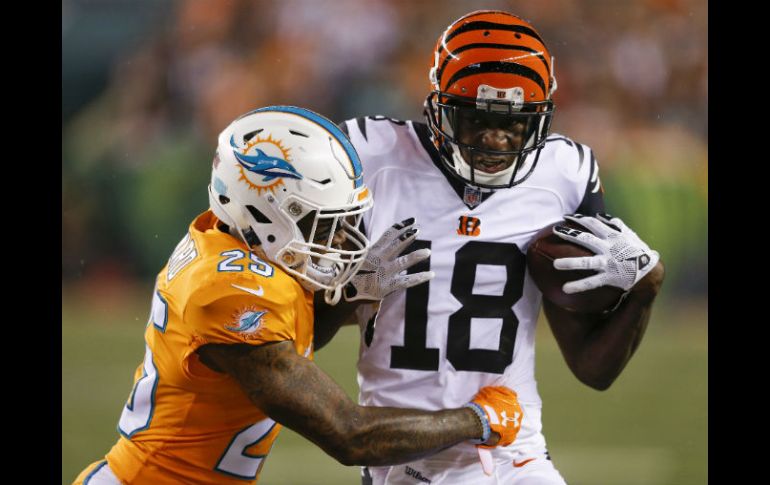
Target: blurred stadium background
(148, 84)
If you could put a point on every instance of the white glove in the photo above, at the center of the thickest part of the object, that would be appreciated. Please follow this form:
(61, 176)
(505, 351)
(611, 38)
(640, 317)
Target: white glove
(381, 273)
(622, 259)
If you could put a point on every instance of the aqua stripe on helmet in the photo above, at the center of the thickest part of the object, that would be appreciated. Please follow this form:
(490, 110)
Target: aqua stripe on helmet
(333, 130)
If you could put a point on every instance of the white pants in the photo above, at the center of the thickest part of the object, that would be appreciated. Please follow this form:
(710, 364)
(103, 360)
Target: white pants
(525, 462)
(523, 469)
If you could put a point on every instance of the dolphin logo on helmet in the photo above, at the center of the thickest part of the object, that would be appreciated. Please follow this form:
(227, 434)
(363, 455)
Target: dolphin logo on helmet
(264, 164)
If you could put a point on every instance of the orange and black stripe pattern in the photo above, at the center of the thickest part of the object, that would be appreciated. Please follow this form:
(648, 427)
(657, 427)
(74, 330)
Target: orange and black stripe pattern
(493, 48)
(469, 226)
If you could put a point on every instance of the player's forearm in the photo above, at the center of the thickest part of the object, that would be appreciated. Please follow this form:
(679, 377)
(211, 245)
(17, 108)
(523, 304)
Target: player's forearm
(598, 347)
(359, 435)
(608, 350)
(387, 436)
(296, 393)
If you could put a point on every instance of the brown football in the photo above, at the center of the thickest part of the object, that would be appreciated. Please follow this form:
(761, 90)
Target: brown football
(544, 248)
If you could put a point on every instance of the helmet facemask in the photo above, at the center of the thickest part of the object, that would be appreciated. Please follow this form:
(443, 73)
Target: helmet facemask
(328, 248)
(462, 123)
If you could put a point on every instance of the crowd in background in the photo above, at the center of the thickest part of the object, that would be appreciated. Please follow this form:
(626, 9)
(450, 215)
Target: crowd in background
(148, 85)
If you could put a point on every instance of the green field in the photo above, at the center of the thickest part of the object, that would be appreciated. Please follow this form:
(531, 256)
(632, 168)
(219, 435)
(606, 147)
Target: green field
(649, 428)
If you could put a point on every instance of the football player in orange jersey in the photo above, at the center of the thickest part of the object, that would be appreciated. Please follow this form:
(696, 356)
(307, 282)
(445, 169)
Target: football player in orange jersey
(229, 342)
(484, 157)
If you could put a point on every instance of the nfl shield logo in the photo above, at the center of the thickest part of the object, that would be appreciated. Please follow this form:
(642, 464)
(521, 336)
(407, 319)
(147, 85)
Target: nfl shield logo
(472, 196)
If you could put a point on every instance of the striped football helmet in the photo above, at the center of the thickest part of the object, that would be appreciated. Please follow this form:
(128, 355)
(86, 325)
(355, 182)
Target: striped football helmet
(492, 79)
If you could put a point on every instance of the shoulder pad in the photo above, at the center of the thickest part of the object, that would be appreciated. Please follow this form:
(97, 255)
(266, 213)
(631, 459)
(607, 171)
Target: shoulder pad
(571, 159)
(373, 135)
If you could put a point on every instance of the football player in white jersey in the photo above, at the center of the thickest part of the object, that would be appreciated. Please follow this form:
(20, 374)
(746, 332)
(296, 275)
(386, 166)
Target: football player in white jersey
(481, 178)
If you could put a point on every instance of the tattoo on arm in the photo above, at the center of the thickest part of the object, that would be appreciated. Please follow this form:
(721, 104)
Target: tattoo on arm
(295, 392)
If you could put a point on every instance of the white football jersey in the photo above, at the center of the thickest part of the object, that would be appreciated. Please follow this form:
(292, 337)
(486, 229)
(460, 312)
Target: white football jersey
(434, 345)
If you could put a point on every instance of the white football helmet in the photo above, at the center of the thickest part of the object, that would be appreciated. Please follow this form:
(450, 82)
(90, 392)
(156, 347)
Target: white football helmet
(289, 182)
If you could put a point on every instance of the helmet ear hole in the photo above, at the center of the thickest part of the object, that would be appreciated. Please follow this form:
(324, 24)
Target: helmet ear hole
(224, 199)
(251, 238)
(258, 216)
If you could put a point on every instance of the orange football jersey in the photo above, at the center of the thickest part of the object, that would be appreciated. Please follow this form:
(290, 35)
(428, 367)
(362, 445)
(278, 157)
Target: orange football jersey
(184, 423)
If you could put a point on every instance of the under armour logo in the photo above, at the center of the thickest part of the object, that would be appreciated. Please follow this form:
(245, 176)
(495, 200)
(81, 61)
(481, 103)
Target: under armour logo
(502, 418)
(514, 419)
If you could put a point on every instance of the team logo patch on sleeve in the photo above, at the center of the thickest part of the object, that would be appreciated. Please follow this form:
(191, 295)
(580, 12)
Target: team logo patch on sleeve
(247, 322)
(469, 226)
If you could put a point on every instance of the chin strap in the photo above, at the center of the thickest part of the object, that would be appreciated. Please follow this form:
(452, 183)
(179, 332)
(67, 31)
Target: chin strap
(332, 297)
(323, 275)
(554, 84)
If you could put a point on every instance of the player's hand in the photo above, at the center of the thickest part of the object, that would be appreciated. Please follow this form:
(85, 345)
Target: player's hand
(381, 273)
(621, 259)
(500, 413)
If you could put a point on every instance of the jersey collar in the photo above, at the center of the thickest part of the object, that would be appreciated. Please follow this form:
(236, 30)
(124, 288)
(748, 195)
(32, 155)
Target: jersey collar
(460, 188)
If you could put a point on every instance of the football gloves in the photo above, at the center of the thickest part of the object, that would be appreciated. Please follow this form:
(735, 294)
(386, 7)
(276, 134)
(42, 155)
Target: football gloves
(381, 273)
(621, 259)
(498, 410)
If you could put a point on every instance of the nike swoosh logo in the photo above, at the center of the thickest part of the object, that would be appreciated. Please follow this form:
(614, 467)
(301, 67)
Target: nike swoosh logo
(258, 292)
(521, 464)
